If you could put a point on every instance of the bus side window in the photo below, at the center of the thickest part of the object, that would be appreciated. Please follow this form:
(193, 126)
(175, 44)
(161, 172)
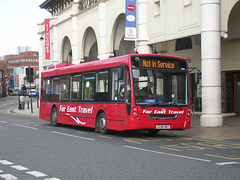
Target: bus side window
(64, 88)
(88, 87)
(43, 89)
(102, 88)
(76, 90)
(55, 89)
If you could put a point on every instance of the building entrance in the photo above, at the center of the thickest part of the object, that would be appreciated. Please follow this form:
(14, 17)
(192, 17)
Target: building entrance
(237, 95)
(231, 92)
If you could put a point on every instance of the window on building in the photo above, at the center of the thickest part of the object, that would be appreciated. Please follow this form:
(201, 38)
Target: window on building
(156, 7)
(183, 44)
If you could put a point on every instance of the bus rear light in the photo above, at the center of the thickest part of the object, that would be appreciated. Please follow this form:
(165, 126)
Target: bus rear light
(134, 108)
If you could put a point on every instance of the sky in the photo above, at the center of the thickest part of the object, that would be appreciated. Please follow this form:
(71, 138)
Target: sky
(18, 24)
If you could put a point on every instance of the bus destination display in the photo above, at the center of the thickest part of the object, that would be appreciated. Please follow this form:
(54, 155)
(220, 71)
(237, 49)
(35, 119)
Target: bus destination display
(163, 63)
(147, 63)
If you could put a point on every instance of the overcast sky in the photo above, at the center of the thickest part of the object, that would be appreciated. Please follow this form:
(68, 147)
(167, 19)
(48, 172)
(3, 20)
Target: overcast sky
(18, 24)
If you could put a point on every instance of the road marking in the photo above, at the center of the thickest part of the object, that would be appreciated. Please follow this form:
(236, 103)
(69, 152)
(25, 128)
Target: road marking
(104, 136)
(36, 174)
(222, 157)
(80, 132)
(169, 148)
(5, 162)
(227, 163)
(19, 168)
(52, 179)
(25, 126)
(168, 154)
(8, 177)
(1, 171)
(3, 122)
(70, 135)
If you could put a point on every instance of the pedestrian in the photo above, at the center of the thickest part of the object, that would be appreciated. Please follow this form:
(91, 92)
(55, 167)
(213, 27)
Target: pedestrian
(21, 101)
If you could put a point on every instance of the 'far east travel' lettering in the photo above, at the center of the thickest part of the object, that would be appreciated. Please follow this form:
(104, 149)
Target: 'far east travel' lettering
(163, 111)
(85, 110)
(76, 109)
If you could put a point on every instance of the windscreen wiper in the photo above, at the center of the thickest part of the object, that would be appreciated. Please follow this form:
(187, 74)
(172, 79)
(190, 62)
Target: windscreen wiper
(175, 104)
(151, 105)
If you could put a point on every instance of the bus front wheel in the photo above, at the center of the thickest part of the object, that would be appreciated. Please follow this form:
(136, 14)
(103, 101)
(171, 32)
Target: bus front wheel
(54, 117)
(102, 123)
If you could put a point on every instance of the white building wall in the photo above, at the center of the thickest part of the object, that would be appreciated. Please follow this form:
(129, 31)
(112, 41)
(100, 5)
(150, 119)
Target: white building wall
(174, 20)
(164, 20)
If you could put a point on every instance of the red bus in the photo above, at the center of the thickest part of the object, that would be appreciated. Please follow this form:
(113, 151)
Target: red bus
(132, 92)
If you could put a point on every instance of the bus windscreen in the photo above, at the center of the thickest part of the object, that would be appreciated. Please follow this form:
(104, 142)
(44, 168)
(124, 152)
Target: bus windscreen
(160, 81)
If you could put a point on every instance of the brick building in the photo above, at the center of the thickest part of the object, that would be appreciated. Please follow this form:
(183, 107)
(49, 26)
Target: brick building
(23, 59)
(3, 79)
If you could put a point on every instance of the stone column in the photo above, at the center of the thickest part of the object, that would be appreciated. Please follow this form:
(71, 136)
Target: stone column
(211, 63)
(142, 32)
(75, 38)
(102, 37)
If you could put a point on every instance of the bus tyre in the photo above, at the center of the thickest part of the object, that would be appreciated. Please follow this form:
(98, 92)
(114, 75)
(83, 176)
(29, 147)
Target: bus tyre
(54, 117)
(102, 123)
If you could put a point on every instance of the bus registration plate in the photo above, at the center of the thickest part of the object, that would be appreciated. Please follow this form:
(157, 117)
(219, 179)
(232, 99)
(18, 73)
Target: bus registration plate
(162, 126)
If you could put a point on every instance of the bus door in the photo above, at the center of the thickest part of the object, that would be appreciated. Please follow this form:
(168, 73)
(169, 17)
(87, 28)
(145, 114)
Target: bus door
(128, 93)
(121, 87)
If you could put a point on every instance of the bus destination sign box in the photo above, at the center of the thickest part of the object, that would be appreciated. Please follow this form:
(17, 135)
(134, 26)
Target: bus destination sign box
(162, 63)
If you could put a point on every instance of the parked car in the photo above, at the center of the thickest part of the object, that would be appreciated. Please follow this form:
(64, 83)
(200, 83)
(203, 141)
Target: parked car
(14, 93)
(32, 92)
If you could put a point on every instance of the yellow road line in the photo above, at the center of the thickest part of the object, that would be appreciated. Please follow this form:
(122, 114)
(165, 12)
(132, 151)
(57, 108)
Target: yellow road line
(80, 132)
(170, 148)
(104, 136)
(222, 157)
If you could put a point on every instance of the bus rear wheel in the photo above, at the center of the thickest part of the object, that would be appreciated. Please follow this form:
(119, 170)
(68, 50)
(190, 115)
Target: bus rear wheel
(54, 117)
(102, 123)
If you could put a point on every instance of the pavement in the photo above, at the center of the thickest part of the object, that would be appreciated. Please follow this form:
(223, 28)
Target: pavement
(27, 109)
(230, 131)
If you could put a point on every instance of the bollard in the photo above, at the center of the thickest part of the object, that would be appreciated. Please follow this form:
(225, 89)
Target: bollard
(37, 102)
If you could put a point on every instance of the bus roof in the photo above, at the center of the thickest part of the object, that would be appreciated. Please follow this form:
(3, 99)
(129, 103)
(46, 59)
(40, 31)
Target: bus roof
(93, 65)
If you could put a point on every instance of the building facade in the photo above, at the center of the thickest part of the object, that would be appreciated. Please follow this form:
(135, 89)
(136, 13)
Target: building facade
(3, 77)
(23, 60)
(206, 32)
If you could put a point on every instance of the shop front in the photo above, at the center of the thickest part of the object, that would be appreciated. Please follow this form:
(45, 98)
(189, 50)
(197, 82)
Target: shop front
(231, 92)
